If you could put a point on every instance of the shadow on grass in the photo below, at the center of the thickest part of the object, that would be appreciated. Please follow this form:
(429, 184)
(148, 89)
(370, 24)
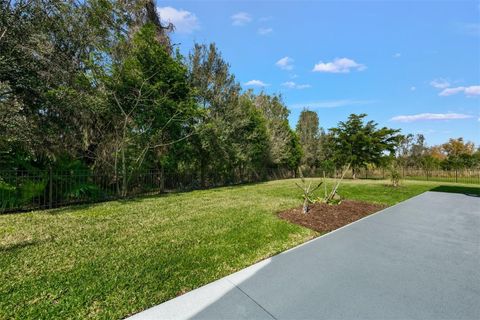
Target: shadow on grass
(469, 191)
(73, 207)
(20, 245)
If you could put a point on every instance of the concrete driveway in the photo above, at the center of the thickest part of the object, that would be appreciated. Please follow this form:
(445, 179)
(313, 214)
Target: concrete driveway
(419, 259)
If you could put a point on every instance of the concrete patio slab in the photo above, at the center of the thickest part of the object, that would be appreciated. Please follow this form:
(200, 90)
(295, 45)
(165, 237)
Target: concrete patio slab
(419, 259)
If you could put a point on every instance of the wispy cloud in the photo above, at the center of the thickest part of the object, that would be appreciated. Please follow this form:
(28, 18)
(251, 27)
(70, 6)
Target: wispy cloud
(397, 55)
(331, 104)
(286, 63)
(293, 85)
(430, 116)
(256, 83)
(264, 31)
(413, 88)
(241, 18)
(440, 83)
(184, 21)
(339, 65)
(468, 91)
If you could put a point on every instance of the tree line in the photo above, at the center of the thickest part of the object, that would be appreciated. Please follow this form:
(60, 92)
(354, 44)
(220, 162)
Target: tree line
(364, 146)
(97, 85)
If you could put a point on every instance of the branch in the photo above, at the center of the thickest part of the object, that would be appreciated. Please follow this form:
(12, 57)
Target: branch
(172, 142)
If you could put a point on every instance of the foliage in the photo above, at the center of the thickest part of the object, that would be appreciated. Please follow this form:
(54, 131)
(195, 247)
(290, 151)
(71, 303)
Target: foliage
(84, 190)
(308, 132)
(452, 155)
(152, 105)
(332, 197)
(394, 174)
(22, 193)
(284, 145)
(360, 143)
(236, 139)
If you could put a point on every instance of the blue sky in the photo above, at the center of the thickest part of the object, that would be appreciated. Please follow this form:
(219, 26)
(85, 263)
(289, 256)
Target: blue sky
(413, 65)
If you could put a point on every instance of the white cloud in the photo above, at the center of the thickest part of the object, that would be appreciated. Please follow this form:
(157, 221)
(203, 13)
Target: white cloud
(440, 83)
(264, 31)
(286, 63)
(339, 65)
(472, 91)
(293, 85)
(469, 91)
(397, 55)
(451, 91)
(430, 116)
(184, 21)
(256, 83)
(241, 18)
(413, 88)
(331, 104)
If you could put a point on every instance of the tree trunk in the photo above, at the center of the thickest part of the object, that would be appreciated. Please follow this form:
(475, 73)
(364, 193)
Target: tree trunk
(305, 206)
(124, 174)
(354, 174)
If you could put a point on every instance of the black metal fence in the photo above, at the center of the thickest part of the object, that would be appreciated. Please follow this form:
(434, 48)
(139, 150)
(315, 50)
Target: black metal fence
(467, 176)
(42, 189)
(25, 190)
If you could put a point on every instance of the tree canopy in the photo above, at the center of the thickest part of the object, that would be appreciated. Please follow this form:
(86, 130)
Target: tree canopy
(358, 143)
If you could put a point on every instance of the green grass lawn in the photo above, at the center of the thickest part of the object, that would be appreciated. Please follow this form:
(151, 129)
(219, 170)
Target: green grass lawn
(113, 259)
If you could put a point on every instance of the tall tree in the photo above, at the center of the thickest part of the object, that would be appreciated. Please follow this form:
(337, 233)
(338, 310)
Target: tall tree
(458, 147)
(284, 149)
(152, 106)
(358, 143)
(215, 89)
(308, 132)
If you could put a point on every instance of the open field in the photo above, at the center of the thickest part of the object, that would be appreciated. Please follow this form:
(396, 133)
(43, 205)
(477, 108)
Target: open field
(113, 259)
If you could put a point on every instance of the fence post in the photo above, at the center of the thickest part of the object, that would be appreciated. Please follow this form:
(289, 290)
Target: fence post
(50, 188)
(456, 175)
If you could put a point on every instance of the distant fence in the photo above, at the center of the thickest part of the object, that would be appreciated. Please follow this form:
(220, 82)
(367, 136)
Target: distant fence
(468, 176)
(42, 189)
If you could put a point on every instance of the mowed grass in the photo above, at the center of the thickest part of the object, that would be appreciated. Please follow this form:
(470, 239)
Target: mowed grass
(110, 260)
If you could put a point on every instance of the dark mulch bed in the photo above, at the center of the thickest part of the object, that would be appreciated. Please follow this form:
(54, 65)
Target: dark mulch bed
(324, 218)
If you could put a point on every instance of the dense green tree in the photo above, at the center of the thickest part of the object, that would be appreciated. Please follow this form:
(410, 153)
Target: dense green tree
(232, 139)
(308, 132)
(284, 146)
(43, 45)
(151, 103)
(358, 143)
